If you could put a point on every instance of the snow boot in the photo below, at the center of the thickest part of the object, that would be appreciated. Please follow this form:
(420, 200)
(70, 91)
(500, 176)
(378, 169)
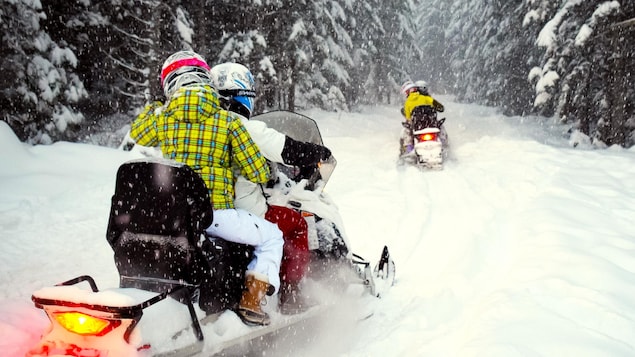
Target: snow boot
(290, 299)
(249, 309)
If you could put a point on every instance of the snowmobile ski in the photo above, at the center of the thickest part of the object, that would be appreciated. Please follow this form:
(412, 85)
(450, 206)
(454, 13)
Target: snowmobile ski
(282, 323)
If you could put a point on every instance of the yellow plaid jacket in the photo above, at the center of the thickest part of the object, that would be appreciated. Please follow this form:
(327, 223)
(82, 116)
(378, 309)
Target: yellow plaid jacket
(193, 129)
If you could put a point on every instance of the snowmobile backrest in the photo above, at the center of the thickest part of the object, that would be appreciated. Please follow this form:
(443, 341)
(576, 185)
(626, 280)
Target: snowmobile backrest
(158, 213)
(424, 117)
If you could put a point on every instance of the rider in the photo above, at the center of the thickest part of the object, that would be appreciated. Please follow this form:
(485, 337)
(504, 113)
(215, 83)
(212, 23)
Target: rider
(192, 128)
(417, 95)
(235, 84)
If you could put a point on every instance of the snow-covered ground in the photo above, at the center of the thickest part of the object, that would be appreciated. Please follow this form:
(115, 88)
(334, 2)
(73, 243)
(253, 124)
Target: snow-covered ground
(521, 246)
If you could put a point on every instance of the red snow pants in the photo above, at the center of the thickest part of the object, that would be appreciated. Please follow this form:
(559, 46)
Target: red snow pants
(295, 256)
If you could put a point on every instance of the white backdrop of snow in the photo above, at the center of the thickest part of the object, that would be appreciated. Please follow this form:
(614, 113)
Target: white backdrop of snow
(521, 246)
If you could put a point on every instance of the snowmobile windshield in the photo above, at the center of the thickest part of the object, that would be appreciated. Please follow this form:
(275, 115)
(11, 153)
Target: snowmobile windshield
(301, 128)
(296, 126)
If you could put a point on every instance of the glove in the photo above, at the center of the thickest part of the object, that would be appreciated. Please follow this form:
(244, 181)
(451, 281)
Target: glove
(315, 153)
(303, 154)
(326, 153)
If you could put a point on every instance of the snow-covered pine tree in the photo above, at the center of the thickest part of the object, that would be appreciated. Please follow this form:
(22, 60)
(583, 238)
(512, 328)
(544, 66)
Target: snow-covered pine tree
(82, 28)
(323, 55)
(581, 77)
(490, 54)
(365, 28)
(239, 37)
(399, 56)
(298, 50)
(432, 18)
(139, 37)
(39, 84)
(463, 40)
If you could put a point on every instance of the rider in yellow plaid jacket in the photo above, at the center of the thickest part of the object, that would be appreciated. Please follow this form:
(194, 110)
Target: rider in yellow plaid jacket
(193, 129)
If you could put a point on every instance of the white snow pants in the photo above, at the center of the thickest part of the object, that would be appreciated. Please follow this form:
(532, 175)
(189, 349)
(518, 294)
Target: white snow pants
(240, 226)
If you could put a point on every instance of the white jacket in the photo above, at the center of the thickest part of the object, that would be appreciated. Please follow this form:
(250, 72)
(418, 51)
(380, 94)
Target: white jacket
(249, 196)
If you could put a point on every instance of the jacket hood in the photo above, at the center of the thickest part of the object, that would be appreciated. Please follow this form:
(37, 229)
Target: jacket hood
(194, 104)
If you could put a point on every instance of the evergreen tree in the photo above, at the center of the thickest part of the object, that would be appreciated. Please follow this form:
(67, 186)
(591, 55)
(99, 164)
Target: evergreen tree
(295, 48)
(365, 28)
(69, 60)
(247, 36)
(398, 57)
(582, 79)
(78, 25)
(432, 18)
(322, 57)
(40, 88)
(139, 37)
(459, 38)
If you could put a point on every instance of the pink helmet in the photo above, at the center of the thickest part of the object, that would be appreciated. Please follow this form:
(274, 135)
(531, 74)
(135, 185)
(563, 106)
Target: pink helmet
(181, 69)
(408, 87)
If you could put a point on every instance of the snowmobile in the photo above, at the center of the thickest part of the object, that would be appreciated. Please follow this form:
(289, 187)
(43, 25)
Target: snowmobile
(430, 144)
(302, 189)
(178, 287)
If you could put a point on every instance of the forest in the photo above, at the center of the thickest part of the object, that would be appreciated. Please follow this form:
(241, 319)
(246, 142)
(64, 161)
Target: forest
(73, 68)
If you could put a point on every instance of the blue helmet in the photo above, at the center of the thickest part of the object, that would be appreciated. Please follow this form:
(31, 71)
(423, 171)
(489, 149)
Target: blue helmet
(235, 83)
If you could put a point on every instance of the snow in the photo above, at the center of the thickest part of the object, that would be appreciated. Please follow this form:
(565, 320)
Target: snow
(546, 80)
(530, 17)
(585, 32)
(184, 28)
(547, 37)
(521, 246)
(298, 30)
(603, 10)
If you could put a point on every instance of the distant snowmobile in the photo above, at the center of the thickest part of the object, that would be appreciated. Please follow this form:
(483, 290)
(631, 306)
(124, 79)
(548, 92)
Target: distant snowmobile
(174, 281)
(430, 144)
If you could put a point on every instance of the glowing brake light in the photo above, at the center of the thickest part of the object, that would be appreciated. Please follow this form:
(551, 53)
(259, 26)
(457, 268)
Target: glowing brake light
(428, 137)
(82, 324)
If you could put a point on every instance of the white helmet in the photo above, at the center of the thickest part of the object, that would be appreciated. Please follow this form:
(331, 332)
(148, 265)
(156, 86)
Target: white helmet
(408, 87)
(182, 69)
(235, 83)
(422, 86)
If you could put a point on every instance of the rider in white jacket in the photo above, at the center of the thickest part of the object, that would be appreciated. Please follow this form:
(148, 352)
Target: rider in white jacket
(235, 85)
(250, 196)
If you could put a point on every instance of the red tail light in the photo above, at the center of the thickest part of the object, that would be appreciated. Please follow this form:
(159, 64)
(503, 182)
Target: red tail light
(427, 137)
(85, 325)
